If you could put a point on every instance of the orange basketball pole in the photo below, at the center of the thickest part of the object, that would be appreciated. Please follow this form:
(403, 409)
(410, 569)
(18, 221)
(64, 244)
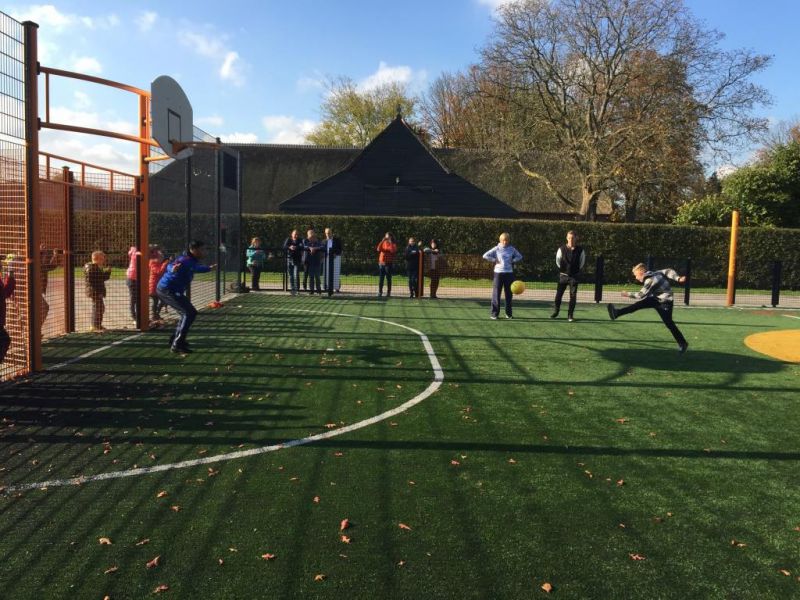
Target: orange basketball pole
(732, 258)
(34, 290)
(142, 212)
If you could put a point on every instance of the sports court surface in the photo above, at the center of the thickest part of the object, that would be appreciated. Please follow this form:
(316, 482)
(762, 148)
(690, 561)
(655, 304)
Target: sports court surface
(589, 456)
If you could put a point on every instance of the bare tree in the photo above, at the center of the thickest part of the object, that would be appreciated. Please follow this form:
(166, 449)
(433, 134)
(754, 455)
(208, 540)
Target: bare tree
(574, 67)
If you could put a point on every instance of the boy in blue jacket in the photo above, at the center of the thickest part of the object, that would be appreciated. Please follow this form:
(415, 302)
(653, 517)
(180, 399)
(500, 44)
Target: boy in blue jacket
(172, 288)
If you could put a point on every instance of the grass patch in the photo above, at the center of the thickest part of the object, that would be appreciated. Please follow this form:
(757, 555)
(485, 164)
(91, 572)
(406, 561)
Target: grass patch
(552, 453)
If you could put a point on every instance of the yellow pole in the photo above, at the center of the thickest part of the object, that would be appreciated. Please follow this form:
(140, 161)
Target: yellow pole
(732, 258)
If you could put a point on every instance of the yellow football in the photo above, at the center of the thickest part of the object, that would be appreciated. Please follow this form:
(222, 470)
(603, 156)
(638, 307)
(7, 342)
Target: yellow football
(517, 287)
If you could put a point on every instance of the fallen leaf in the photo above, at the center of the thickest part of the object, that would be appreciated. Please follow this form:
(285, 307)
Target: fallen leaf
(104, 541)
(455, 463)
(785, 572)
(143, 542)
(113, 569)
(319, 577)
(162, 588)
(330, 425)
(620, 482)
(736, 543)
(345, 539)
(212, 472)
(637, 556)
(547, 587)
(622, 525)
(621, 420)
(154, 563)
(267, 556)
(401, 563)
(344, 524)
(404, 526)
(316, 500)
(161, 494)
(220, 561)
(175, 508)
(511, 461)
(338, 453)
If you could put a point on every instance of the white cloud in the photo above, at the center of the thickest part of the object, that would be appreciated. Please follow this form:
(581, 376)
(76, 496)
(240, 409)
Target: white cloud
(146, 20)
(388, 74)
(283, 129)
(120, 156)
(240, 138)
(230, 71)
(48, 16)
(307, 84)
(87, 64)
(82, 100)
(216, 49)
(495, 4)
(212, 121)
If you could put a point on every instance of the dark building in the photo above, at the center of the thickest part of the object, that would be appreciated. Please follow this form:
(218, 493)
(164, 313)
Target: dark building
(396, 174)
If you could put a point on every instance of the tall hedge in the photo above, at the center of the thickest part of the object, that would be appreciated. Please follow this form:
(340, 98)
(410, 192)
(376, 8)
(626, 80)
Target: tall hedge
(621, 245)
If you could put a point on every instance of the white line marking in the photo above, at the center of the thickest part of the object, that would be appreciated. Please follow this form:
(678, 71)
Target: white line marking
(791, 316)
(95, 351)
(438, 378)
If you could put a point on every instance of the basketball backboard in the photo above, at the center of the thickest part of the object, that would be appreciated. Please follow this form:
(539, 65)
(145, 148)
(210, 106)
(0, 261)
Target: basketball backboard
(171, 115)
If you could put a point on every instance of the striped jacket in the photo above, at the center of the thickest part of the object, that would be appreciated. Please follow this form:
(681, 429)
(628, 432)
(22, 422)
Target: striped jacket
(656, 283)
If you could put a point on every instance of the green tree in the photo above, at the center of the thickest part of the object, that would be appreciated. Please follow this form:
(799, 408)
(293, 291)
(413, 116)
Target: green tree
(574, 66)
(353, 116)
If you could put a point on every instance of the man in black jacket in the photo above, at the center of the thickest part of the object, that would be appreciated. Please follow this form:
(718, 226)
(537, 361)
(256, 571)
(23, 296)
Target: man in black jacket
(570, 259)
(293, 247)
(332, 268)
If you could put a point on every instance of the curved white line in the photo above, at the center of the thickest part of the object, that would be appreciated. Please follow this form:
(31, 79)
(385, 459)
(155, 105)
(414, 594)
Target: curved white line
(438, 378)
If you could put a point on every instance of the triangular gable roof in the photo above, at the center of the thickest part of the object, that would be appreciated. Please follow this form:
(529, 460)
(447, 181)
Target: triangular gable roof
(397, 174)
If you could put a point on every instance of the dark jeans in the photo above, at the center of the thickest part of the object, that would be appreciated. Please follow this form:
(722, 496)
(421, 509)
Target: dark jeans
(255, 276)
(413, 282)
(133, 290)
(664, 310)
(294, 276)
(385, 272)
(565, 281)
(314, 270)
(183, 307)
(305, 276)
(434, 276)
(98, 310)
(501, 281)
(157, 305)
(5, 341)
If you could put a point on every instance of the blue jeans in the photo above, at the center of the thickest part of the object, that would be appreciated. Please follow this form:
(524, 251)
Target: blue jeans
(501, 281)
(183, 307)
(294, 276)
(385, 272)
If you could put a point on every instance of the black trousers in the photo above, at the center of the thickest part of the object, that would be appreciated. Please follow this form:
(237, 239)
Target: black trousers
(664, 310)
(255, 272)
(565, 281)
(5, 342)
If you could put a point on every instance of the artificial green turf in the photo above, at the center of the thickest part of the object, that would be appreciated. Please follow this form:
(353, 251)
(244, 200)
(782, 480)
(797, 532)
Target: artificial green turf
(577, 445)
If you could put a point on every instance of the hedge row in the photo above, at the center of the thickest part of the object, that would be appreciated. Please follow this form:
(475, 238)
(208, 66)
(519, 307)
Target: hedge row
(621, 245)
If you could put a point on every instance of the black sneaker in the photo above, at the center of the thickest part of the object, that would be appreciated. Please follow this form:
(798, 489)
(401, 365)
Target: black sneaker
(612, 312)
(180, 349)
(554, 315)
(683, 347)
(570, 318)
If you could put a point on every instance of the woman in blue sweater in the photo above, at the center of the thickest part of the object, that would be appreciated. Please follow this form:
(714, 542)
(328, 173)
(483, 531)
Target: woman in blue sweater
(504, 256)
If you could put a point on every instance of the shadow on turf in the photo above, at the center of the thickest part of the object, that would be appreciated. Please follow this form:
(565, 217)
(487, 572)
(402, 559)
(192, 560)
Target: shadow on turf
(699, 361)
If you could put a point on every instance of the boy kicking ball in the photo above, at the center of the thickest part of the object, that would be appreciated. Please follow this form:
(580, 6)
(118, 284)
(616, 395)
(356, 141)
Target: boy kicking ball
(656, 293)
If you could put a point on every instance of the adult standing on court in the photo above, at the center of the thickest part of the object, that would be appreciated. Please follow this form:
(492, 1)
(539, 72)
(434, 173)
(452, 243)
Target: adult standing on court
(314, 254)
(333, 255)
(172, 292)
(435, 266)
(293, 247)
(387, 249)
(504, 256)
(656, 293)
(570, 259)
(7, 284)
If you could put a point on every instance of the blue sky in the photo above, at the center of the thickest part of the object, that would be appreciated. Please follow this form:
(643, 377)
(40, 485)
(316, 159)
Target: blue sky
(253, 71)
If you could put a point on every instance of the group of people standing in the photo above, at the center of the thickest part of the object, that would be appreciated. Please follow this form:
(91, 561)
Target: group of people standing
(656, 290)
(433, 262)
(307, 256)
